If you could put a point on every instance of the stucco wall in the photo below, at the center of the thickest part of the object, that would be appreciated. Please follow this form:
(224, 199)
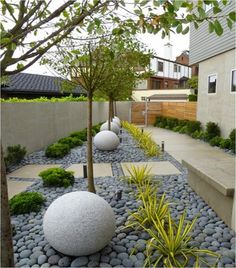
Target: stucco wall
(35, 125)
(219, 107)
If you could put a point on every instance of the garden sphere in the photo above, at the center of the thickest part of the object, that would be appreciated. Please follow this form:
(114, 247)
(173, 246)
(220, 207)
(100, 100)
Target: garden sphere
(79, 223)
(117, 121)
(106, 140)
(114, 127)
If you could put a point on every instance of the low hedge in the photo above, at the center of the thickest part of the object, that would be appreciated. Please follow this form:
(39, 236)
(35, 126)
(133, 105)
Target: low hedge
(82, 135)
(57, 177)
(194, 129)
(26, 202)
(57, 150)
(71, 141)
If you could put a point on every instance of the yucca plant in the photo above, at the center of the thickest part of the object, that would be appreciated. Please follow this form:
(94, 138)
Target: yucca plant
(147, 189)
(171, 241)
(138, 175)
(151, 210)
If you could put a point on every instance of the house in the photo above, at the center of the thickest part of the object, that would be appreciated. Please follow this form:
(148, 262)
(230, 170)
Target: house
(25, 85)
(215, 56)
(169, 78)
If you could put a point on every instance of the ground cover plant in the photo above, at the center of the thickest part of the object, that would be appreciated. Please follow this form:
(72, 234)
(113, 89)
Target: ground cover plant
(14, 155)
(57, 177)
(143, 138)
(26, 202)
(194, 129)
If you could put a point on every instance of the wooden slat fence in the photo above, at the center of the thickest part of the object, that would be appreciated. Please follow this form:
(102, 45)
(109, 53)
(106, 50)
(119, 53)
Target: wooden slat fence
(180, 110)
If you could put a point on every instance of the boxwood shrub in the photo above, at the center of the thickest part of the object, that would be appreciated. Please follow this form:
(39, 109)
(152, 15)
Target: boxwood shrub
(14, 155)
(212, 130)
(232, 139)
(57, 150)
(71, 141)
(57, 177)
(225, 144)
(82, 135)
(26, 202)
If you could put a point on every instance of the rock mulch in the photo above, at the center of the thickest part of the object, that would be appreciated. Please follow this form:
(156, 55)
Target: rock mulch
(127, 246)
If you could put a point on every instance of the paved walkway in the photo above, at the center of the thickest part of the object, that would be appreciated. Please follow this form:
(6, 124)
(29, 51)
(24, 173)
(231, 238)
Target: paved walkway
(182, 147)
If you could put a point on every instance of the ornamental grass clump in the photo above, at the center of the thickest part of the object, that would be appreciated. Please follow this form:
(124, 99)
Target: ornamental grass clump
(138, 175)
(26, 202)
(57, 177)
(143, 138)
(171, 242)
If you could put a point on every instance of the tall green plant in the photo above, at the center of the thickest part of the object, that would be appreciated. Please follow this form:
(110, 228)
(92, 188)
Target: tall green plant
(171, 241)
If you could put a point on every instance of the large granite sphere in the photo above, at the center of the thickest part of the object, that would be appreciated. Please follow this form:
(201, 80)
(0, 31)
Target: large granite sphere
(79, 223)
(117, 118)
(114, 127)
(106, 140)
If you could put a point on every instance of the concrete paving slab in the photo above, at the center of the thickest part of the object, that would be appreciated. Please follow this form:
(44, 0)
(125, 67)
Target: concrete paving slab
(157, 168)
(16, 187)
(99, 170)
(29, 171)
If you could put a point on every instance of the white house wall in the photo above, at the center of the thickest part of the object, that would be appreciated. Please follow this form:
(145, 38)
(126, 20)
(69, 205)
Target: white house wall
(219, 107)
(168, 69)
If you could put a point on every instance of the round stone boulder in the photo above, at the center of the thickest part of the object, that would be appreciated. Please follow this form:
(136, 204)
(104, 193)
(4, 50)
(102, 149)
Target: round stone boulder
(117, 121)
(79, 223)
(106, 140)
(114, 127)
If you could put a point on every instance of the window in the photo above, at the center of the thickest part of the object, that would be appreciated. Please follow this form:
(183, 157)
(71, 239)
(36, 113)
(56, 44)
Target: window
(233, 81)
(160, 66)
(155, 84)
(177, 68)
(212, 83)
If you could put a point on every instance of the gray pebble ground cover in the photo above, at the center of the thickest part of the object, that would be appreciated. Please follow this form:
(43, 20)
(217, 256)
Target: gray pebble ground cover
(32, 250)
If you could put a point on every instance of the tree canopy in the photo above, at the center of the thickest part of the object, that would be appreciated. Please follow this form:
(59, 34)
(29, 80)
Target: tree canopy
(30, 28)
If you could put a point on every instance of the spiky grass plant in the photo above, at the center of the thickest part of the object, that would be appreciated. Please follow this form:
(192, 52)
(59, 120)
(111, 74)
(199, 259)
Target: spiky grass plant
(143, 138)
(171, 241)
(151, 210)
(139, 175)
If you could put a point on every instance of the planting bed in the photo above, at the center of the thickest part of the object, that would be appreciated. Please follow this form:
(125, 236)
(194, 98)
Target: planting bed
(32, 250)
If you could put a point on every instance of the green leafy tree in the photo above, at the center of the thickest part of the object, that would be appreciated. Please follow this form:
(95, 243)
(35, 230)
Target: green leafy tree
(30, 28)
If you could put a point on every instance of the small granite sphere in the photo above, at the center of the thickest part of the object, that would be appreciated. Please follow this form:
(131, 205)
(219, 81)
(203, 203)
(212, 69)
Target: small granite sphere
(117, 118)
(106, 140)
(117, 121)
(114, 127)
(79, 223)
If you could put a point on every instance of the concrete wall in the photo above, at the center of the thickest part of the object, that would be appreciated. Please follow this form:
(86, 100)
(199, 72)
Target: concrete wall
(35, 125)
(218, 107)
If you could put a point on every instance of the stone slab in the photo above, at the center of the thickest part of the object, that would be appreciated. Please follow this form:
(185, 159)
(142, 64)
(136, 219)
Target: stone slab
(99, 170)
(157, 168)
(16, 187)
(29, 171)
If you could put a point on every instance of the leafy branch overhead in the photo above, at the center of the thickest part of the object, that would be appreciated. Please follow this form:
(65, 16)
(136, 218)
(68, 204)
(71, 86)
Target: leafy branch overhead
(31, 28)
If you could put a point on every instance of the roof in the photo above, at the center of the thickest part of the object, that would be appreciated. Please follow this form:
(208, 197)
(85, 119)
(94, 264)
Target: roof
(168, 97)
(36, 84)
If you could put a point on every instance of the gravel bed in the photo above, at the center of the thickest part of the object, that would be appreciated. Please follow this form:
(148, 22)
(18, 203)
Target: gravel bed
(32, 250)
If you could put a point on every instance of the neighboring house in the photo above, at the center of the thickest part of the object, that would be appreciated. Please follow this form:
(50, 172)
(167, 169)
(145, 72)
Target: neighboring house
(169, 79)
(24, 85)
(217, 72)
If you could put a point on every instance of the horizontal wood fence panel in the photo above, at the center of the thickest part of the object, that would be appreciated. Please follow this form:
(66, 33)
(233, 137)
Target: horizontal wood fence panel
(180, 110)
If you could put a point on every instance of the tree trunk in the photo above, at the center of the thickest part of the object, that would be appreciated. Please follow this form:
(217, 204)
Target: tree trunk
(109, 115)
(115, 109)
(91, 187)
(7, 259)
(112, 108)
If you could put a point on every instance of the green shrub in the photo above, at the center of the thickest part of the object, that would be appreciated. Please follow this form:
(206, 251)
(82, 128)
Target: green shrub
(172, 122)
(158, 121)
(57, 177)
(26, 202)
(212, 130)
(183, 122)
(215, 141)
(192, 97)
(82, 135)
(71, 141)
(195, 134)
(183, 130)
(232, 138)
(177, 129)
(96, 128)
(14, 155)
(192, 126)
(57, 150)
(225, 144)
